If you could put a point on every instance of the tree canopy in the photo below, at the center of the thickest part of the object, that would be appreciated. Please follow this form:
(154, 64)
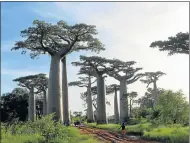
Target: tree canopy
(60, 38)
(174, 44)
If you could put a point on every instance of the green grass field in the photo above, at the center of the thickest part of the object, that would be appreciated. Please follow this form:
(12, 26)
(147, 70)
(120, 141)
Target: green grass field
(165, 133)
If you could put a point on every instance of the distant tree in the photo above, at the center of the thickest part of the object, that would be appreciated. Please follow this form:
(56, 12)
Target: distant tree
(113, 88)
(178, 44)
(126, 74)
(98, 66)
(41, 84)
(29, 82)
(132, 95)
(86, 82)
(152, 77)
(58, 40)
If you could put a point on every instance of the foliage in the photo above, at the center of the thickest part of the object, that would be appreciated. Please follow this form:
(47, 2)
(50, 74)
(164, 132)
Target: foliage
(60, 38)
(44, 130)
(173, 108)
(174, 45)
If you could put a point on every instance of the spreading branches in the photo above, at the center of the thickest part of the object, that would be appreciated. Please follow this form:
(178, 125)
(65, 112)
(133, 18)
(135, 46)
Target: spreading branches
(112, 88)
(174, 45)
(95, 64)
(151, 77)
(60, 38)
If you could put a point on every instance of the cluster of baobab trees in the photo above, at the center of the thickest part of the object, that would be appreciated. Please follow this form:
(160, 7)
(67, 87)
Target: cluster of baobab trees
(60, 39)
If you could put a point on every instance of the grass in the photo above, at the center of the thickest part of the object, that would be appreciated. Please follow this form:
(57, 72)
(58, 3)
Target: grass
(164, 133)
(44, 130)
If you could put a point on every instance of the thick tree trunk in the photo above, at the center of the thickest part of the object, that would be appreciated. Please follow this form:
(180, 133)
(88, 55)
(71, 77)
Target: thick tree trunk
(66, 116)
(123, 102)
(116, 110)
(32, 106)
(54, 89)
(90, 115)
(101, 102)
(44, 103)
(155, 94)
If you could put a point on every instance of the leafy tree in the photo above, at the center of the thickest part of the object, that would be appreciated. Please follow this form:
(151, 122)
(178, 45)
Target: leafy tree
(173, 107)
(113, 88)
(14, 106)
(178, 44)
(126, 74)
(152, 77)
(58, 40)
(86, 82)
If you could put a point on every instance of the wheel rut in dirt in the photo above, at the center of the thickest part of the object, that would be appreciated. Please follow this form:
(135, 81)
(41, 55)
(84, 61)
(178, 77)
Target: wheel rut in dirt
(109, 137)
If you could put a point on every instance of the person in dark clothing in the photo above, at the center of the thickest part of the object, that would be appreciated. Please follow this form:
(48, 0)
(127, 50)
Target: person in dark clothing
(123, 128)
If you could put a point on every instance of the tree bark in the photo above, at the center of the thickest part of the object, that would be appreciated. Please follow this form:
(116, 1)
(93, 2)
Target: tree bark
(116, 110)
(44, 103)
(155, 94)
(32, 106)
(90, 115)
(66, 116)
(130, 108)
(54, 89)
(123, 101)
(101, 102)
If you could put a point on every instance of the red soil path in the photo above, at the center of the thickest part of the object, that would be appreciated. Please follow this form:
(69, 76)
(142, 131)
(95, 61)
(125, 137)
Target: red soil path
(110, 137)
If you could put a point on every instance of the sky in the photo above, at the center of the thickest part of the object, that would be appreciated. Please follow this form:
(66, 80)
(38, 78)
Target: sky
(125, 28)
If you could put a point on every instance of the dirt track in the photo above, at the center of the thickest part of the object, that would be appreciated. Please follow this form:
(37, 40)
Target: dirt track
(109, 137)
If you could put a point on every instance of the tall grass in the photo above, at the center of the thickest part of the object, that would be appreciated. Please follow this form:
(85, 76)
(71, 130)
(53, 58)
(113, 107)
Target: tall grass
(44, 130)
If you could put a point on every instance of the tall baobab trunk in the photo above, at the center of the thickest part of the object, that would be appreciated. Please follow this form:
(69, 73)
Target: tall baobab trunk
(116, 110)
(123, 101)
(32, 106)
(66, 117)
(155, 94)
(54, 89)
(90, 115)
(44, 103)
(101, 102)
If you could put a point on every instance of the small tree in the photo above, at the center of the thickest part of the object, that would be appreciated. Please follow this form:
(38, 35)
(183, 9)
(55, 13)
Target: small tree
(174, 45)
(152, 77)
(113, 88)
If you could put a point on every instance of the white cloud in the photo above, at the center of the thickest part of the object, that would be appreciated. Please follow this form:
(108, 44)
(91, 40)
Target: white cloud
(127, 29)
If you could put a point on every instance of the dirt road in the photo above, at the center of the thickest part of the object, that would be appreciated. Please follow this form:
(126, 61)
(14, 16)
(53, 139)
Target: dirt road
(110, 137)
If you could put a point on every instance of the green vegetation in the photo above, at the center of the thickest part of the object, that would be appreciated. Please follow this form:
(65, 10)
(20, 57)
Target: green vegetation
(44, 130)
(167, 133)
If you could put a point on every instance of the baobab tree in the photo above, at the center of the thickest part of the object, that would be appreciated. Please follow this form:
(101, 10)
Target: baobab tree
(126, 74)
(98, 64)
(58, 41)
(152, 77)
(86, 82)
(178, 44)
(113, 88)
(41, 85)
(94, 99)
(29, 83)
(132, 95)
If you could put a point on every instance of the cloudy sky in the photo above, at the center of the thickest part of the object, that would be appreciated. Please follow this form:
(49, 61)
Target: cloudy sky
(125, 28)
